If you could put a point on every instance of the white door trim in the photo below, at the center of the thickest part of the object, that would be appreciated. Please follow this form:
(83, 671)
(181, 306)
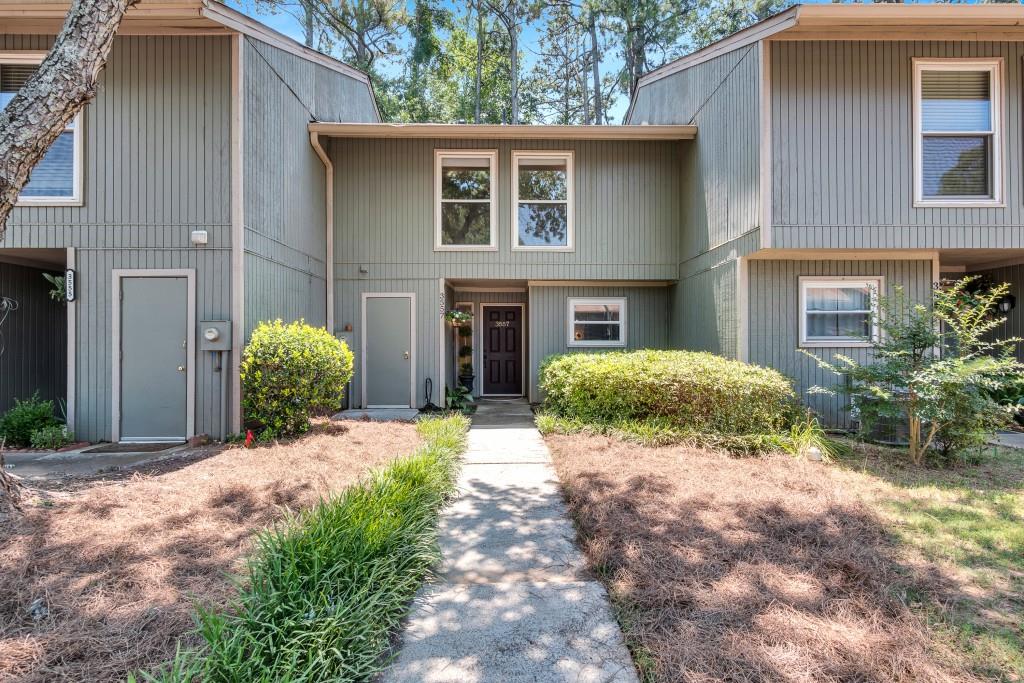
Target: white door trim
(190, 350)
(522, 348)
(411, 296)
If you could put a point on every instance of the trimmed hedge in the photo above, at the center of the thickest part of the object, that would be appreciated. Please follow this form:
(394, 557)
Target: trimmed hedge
(689, 390)
(290, 372)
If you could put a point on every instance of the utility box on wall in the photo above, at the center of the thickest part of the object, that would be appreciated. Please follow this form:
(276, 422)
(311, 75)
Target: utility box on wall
(215, 335)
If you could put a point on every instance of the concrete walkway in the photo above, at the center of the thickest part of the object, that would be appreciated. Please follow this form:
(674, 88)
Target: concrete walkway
(513, 601)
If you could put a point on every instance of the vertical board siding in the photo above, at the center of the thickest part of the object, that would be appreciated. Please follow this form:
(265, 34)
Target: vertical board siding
(1014, 325)
(475, 299)
(721, 168)
(775, 318)
(842, 149)
(704, 310)
(33, 337)
(647, 322)
(627, 205)
(156, 151)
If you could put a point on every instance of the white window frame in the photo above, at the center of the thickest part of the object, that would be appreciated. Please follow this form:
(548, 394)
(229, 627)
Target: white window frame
(875, 282)
(492, 157)
(36, 58)
(994, 65)
(568, 156)
(598, 300)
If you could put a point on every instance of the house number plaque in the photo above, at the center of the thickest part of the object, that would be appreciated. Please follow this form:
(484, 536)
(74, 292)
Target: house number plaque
(502, 323)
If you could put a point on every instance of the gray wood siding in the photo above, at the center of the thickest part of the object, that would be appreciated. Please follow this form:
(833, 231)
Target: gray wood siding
(704, 312)
(156, 167)
(284, 180)
(721, 168)
(842, 149)
(33, 338)
(775, 318)
(628, 210)
(647, 322)
(1014, 325)
(477, 298)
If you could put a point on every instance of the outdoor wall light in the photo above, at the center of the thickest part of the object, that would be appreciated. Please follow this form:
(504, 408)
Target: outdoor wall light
(1007, 303)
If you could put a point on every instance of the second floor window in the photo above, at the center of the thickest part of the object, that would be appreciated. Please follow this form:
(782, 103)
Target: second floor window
(56, 179)
(957, 141)
(542, 211)
(464, 214)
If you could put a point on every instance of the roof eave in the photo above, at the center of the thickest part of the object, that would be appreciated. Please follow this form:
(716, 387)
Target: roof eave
(502, 132)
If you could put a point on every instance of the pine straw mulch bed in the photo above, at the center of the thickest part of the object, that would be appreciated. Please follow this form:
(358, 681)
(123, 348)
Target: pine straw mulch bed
(767, 569)
(117, 566)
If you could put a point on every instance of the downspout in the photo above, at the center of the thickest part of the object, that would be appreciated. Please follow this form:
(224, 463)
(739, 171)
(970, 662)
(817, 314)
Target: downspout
(314, 140)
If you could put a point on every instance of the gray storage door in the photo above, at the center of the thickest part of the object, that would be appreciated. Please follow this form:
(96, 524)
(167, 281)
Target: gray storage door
(154, 358)
(388, 351)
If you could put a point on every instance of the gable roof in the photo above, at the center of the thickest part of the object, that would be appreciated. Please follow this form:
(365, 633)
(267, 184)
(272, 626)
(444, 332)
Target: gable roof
(173, 17)
(851, 22)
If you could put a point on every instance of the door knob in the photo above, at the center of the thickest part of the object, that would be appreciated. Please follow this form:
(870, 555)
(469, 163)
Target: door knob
(181, 368)
(405, 355)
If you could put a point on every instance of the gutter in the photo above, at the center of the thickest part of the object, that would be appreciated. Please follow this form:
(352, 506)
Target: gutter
(314, 140)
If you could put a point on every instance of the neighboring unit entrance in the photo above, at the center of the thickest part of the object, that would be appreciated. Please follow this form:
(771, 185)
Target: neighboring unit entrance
(502, 350)
(388, 363)
(154, 375)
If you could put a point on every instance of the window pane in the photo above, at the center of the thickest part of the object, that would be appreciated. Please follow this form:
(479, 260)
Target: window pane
(12, 78)
(825, 325)
(466, 224)
(595, 312)
(596, 332)
(956, 101)
(543, 225)
(54, 176)
(956, 166)
(542, 181)
(459, 182)
(838, 299)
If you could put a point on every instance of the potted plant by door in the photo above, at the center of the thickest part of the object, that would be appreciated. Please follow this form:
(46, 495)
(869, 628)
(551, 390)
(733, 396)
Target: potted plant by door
(466, 375)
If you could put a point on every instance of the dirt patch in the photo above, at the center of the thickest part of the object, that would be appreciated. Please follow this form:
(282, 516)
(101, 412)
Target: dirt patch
(745, 569)
(101, 581)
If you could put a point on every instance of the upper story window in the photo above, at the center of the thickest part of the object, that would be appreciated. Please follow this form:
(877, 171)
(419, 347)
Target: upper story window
(464, 200)
(542, 200)
(957, 138)
(597, 321)
(838, 311)
(57, 178)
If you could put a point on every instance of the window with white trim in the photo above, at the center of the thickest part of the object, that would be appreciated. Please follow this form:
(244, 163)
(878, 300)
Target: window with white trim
(464, 206)
(597, 321)
(542, 200)
(56, 179)
(957, 137)
(838, 311)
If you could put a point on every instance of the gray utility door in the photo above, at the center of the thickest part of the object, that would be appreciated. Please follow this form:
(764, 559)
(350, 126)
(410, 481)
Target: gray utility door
(387, 352)
(154, 358)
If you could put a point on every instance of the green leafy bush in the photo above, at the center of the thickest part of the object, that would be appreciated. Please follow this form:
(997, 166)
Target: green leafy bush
(54, 436)
(678, 390)
(325, 589)
(27, 416)
(291, 372)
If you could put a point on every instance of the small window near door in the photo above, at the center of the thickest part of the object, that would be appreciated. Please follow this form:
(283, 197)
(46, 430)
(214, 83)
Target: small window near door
(464, 211)
(957, 141)
(838, 312)
(597, 322)
(57, 179)
(542, 200)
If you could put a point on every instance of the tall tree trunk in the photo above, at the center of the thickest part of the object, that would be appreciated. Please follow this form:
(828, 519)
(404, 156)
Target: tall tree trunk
(64, 83)
(479, 61)
(595, 68)
(308, 26)
(513, 62)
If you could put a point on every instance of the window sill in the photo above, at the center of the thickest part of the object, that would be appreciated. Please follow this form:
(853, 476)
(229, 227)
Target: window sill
(552, 249)
(961, 204)
(27, 203)
(599, 345)
(838, 344)
(449, 247)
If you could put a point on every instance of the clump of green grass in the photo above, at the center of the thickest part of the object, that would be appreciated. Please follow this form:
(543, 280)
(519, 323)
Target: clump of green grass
(325, 588)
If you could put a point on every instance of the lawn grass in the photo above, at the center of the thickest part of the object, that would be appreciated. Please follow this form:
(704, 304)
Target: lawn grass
(325, 589)
(966, 526)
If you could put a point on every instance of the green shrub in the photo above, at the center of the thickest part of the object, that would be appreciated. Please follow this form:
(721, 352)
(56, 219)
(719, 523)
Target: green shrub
(289, 373)
(676, 390)
(27, 416)
(326, 589)
(53, 436)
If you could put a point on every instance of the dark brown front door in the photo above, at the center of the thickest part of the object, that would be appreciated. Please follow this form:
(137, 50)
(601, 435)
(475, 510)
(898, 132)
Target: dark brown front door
(503, 350)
